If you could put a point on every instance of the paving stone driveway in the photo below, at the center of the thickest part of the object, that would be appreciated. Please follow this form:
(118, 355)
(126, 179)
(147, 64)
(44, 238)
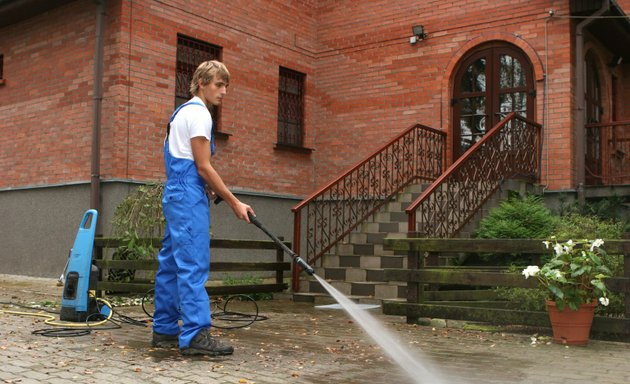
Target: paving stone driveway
(298, 343)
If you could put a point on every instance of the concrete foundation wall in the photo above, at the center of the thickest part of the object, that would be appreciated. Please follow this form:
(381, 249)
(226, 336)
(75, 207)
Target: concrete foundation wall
(39, 225)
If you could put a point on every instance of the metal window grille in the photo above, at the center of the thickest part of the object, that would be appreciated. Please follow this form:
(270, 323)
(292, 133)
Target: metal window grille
(190, 53)
(291, 108)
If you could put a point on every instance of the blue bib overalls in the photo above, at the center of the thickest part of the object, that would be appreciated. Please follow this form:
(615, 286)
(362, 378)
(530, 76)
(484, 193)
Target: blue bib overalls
(185, 254)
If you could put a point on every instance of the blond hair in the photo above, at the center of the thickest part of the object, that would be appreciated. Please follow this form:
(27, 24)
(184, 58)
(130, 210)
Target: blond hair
(206, 72)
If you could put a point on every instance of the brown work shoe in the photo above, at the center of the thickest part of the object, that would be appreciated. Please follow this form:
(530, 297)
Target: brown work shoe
(161, 340)
(204, 344)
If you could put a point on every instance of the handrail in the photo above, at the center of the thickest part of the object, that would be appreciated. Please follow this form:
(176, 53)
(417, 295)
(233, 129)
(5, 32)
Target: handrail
(608, 153)
(509, 149)
(339, 206)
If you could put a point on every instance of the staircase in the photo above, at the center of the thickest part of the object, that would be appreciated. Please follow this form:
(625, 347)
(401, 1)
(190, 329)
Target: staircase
(356, 265)
(402, 188)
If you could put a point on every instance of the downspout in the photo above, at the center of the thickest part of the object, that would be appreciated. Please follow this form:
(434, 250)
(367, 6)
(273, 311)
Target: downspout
(95, 179)
(580, 137)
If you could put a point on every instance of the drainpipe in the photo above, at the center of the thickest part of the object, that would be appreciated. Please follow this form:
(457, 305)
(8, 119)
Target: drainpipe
(580, 137)
(95, 179)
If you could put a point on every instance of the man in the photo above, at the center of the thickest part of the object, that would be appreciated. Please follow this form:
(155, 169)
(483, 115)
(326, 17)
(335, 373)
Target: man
(185, 255)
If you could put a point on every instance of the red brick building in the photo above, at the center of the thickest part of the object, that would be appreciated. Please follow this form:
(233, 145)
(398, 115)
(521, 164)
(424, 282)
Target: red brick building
(316, 86)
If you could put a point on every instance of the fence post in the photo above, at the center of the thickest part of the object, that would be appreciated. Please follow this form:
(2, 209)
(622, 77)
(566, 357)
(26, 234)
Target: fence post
(626, 272)
(279, 259)
(415, 290)
(98, 255)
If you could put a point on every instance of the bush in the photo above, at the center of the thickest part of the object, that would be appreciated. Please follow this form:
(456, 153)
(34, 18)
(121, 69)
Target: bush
(612, 208)
(248, 280)
(528, 218)
(516, 218)
(575, 226)
(140, 213)
(137, 218)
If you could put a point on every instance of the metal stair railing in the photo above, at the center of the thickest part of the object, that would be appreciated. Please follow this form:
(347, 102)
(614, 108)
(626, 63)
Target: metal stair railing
(608, 153)
(511, 149)
(334, 210)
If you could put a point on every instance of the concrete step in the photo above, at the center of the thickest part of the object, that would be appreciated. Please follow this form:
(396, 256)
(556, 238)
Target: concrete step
(364, 261)
(325, 299)
(354, 274)
(379, 290)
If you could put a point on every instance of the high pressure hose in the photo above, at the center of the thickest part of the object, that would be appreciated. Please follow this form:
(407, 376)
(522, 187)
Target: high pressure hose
(242, 319)
(69, 329)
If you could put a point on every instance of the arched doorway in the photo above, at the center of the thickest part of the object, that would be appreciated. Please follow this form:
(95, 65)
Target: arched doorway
(492, 80)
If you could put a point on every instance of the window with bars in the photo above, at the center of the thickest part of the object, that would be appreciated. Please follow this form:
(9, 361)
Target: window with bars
(291, 108)
(190, 53)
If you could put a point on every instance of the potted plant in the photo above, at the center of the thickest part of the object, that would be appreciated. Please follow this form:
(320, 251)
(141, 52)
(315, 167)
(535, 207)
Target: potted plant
(574, 280)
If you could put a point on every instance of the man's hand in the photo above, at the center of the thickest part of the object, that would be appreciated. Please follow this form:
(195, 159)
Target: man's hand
(240, 210)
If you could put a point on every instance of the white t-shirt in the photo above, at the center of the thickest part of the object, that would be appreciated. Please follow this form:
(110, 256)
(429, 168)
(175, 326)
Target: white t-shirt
(191, 121)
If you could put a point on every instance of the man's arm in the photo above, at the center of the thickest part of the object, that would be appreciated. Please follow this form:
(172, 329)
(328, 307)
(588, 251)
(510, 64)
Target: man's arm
(201, 153)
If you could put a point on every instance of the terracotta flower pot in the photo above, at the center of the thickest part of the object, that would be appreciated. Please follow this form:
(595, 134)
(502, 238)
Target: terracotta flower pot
(571, 327)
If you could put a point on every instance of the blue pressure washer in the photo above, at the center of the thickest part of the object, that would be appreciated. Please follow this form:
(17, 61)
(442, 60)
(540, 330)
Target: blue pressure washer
(78, 302)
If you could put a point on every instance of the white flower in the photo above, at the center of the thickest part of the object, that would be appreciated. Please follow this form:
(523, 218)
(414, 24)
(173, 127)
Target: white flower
(546, 244)
(557, 274)
(596, 244)
(532, 270)
(604, 301)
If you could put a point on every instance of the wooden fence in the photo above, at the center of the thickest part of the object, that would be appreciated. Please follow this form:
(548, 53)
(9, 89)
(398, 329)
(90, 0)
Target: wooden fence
(419, 277)
(144, 285)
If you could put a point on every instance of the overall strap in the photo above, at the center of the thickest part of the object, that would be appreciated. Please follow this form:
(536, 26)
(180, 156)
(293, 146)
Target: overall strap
(168, 126)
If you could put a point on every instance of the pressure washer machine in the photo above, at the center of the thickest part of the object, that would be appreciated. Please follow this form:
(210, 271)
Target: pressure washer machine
(78, 302)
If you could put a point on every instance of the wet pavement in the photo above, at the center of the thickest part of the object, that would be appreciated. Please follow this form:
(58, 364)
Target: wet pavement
(295, 343)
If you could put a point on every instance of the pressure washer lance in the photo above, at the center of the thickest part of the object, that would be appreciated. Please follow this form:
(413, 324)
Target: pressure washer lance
(296, 259)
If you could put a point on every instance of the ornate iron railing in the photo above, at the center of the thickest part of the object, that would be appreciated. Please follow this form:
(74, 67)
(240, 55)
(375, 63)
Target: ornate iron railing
(608, 153)
(340, 206)
(509, 150)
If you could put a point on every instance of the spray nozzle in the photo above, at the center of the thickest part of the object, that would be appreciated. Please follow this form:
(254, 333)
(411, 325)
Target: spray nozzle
(305, 267)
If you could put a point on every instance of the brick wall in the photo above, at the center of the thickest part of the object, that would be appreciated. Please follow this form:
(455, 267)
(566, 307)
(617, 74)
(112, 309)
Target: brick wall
(45, 102)
(53, 110)
(374, 83)
(365, 83)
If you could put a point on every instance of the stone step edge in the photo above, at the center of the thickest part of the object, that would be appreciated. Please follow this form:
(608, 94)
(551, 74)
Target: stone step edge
(323, 298)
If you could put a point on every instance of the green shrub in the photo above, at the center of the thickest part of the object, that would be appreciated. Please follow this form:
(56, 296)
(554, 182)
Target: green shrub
(140, 213)
(516, 218)
(248, 280)
(528, 218)
(136, 219)
(525, 299)
(577, 226)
